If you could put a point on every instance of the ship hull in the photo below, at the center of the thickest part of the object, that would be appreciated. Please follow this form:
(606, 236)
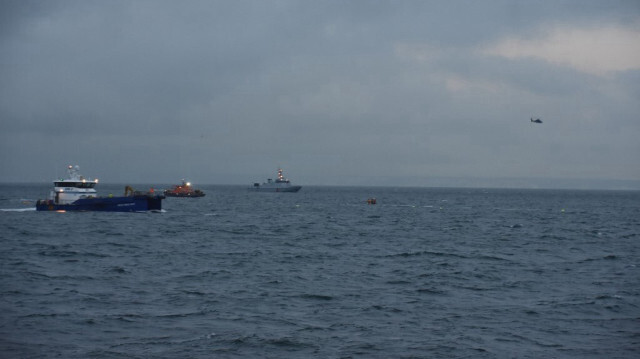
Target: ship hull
(137, 203)
(275, 189)
(193, 194)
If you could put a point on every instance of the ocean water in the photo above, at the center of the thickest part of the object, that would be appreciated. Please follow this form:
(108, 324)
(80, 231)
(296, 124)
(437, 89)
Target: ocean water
(424, 273)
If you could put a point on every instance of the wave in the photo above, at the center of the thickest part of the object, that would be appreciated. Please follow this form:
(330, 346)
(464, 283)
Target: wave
(423, 253)
(316, 296)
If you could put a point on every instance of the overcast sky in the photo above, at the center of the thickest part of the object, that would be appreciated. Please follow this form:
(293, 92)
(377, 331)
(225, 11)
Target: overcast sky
(335, 92)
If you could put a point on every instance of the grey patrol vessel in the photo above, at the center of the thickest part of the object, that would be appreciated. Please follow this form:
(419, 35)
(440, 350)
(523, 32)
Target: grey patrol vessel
(281, 184)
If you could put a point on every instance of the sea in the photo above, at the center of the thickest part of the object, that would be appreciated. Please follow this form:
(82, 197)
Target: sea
(423, 273)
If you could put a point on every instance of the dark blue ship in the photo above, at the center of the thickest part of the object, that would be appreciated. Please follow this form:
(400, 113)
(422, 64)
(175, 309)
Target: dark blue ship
(77, 193)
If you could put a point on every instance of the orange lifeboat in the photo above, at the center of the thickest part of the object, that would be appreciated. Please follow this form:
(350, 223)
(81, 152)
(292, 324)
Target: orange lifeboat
(183, 190)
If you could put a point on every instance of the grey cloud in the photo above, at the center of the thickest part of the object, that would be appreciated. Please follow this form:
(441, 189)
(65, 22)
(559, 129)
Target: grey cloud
(318, 87)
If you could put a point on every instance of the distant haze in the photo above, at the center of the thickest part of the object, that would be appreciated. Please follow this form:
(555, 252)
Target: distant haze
(410, 93)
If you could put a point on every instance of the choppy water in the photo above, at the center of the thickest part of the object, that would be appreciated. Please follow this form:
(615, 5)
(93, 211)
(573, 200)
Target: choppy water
(425, 273)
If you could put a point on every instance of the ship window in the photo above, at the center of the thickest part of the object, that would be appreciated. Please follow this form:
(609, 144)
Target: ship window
(75, 184)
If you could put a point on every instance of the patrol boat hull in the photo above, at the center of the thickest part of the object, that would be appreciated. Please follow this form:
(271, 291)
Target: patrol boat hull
(266, 188)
